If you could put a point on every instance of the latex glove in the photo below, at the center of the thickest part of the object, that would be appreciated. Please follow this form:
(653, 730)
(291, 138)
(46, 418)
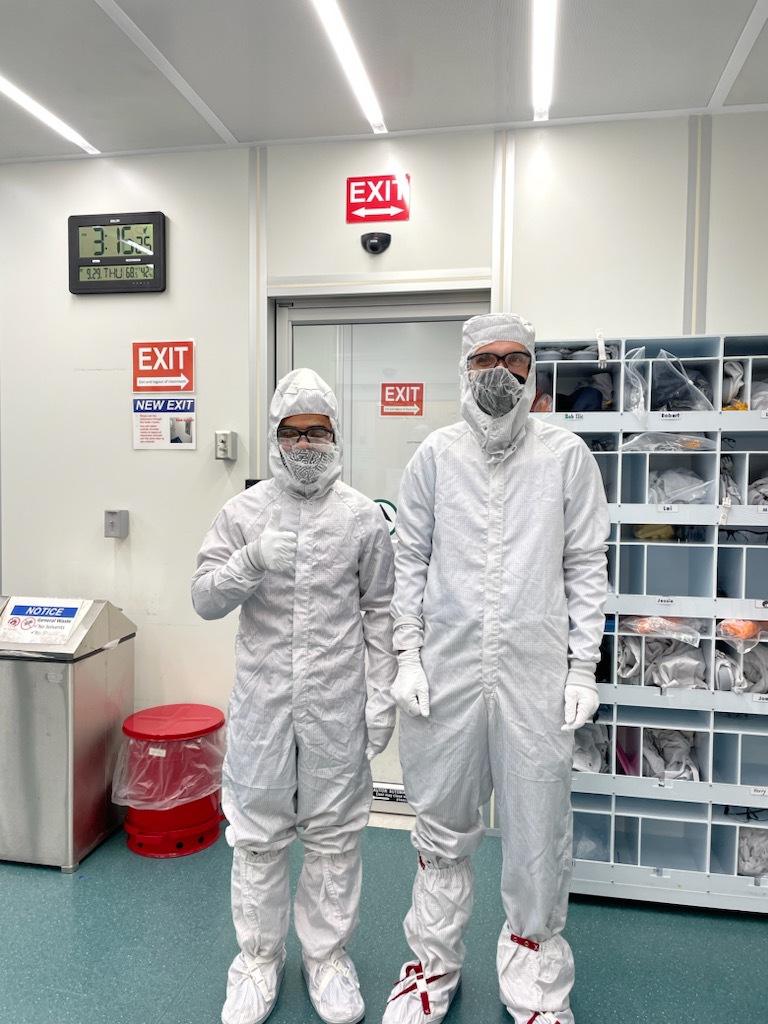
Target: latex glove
(378, 738)
(275, 549)
(581, 696)
(410, 689)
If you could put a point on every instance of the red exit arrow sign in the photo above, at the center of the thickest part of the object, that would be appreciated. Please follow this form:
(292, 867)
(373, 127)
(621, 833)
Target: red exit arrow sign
(378, 197)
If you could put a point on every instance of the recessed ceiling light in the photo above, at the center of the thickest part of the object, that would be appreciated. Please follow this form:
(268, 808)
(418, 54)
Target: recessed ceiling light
(33, 107)
(349, 58)
(543, 56)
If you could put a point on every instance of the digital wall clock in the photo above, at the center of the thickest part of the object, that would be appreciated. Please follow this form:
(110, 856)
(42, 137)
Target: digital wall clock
(117, 252)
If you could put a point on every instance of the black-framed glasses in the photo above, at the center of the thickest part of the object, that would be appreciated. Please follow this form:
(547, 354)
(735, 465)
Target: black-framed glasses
(488, 360)
(321, 435)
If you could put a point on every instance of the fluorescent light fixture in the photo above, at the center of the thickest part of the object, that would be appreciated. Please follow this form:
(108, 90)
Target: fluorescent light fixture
(349, 58)
(543, 56)
(33, 107)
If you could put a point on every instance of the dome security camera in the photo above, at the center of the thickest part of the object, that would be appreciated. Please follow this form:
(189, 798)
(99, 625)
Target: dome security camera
(375, 242)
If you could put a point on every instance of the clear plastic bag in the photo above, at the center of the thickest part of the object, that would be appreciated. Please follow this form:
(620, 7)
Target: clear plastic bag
(157, 776)
(635, 384)
(688, 630)
(742, 634)
(670, 486)
(676, 389)
(657, 441)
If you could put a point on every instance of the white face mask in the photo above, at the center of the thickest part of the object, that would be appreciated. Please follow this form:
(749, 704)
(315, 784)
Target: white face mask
(496, 391)
(306, 465)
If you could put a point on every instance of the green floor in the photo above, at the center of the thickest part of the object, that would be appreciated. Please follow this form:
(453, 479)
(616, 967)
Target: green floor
(129, 940)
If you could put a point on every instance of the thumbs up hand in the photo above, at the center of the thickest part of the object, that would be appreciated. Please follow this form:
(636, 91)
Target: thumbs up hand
(275, 549)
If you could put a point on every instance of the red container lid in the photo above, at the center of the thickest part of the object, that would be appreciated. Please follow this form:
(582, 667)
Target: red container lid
(173, 722)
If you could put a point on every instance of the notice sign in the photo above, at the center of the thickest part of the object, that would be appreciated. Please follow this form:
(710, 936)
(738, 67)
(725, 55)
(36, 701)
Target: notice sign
(378, 197)
(402, 399)
(34, 620)
(163, 366)
(164, 423)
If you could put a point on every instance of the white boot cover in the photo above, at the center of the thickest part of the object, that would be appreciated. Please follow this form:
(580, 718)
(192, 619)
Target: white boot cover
(253, 985)
(261, 915)
(327, 903)
(334, 988)
(440, 911)
(420, 998)
(535, 979)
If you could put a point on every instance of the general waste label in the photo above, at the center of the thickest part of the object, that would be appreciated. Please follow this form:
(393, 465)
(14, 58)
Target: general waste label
(378, 197)
(398, 399)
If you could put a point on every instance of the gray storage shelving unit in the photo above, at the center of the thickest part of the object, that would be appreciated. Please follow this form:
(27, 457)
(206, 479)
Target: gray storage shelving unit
(661, 840)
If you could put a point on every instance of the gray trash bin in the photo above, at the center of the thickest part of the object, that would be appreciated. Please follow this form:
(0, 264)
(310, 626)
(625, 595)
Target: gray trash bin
(66, 685)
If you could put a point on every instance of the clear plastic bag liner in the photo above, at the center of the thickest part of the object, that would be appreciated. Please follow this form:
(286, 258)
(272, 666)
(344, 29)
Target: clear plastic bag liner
(677, 389)
(742, 634)
(635, 384)
(656, 441)
(689, 631)
(155, 775)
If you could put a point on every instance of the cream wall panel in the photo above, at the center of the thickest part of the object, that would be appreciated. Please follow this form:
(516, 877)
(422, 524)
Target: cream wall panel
(738, 238)
(599, 228)
(65, 403)
(451, 206)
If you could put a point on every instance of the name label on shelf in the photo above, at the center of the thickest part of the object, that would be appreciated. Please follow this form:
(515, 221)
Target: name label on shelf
(761, 604)
(665, 600)
(759, 791)
(666, 508)
(760, 698)
(670, 415)
(762, 510)
(764, 414)
(574, 416)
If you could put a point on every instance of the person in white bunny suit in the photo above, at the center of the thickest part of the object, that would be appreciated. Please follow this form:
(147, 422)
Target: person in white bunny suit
(308, 561)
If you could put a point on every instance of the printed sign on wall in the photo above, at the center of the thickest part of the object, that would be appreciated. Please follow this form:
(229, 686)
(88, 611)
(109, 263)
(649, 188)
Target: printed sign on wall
(163, 366)
(402, 399)
(164, 423)
(378, 197)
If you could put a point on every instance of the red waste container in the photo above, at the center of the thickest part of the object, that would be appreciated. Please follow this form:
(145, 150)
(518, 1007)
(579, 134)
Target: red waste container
(168, 774)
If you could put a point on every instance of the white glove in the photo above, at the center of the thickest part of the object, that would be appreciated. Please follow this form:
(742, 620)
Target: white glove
(581, 697)
(378, 738)
(275, 549)
(410, 689)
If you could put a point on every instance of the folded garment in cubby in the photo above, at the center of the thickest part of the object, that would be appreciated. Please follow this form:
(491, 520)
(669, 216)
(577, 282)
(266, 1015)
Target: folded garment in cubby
(733, 381)
(759, 396)
(729, 489)
(668, 754)
(672, 486)
(753, 852)
(758, 492)
(728, 674)
(755, 668)
(590, 750)
(669, 664)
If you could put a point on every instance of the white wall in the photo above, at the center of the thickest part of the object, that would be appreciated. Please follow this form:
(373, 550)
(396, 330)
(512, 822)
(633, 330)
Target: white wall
(599, 238)
(737, 294)
(451, 196)
(65, 403)
(599, 228)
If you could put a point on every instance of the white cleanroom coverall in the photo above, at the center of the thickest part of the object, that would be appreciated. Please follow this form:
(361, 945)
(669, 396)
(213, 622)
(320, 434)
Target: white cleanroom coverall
(300, 713)
(500, 580)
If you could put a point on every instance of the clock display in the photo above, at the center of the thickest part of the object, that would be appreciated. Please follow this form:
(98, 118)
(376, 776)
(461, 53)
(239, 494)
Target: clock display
(117, 252)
